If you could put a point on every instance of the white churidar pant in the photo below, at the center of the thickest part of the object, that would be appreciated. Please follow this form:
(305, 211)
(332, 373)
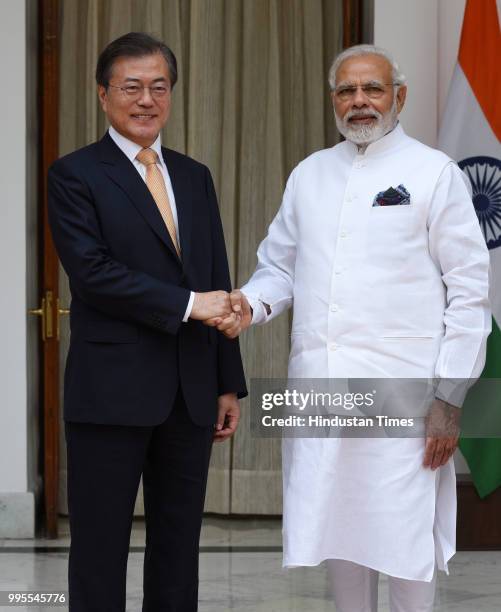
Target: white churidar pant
(354, 588)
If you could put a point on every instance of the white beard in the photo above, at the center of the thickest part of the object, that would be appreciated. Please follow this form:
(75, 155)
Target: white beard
(365, 134)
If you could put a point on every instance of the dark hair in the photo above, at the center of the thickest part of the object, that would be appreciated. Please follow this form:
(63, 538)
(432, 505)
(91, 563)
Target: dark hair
(133, 44)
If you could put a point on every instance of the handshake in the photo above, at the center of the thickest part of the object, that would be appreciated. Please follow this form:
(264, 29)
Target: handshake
(229, 312)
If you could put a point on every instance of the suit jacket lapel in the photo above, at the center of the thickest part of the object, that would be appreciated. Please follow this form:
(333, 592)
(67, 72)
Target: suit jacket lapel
(122, 172)
(183, 193)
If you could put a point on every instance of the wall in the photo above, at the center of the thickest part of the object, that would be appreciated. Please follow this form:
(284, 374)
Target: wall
(450, 20)
(424, 38)
(16, 502)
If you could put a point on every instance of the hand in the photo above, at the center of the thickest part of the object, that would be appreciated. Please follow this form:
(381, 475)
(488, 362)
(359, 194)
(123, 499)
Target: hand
(211, 304)
(227, 418)
(239, 320)
(442, 433)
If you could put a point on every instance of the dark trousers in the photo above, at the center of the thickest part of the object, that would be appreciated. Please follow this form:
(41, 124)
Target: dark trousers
(105, 463)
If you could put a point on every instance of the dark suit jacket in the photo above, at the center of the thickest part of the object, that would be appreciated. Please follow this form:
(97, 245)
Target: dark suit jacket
(129, 349)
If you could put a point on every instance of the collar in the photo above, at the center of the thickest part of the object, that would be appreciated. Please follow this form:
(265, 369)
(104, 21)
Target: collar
(388, 141)
(130, 148)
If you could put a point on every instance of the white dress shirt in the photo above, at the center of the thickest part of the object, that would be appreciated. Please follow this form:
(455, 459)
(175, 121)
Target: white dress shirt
(131, 149)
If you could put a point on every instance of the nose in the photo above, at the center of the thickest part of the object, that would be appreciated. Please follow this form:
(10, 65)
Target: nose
(145, 99)
(360, 99)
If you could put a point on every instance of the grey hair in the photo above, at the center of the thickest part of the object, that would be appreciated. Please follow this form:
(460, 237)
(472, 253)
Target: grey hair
(397, 76)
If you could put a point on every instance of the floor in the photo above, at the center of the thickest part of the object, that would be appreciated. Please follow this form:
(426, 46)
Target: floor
(240, 569)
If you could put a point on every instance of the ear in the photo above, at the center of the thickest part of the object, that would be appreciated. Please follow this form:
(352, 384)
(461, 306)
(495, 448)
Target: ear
(401, 95)
(103, 96)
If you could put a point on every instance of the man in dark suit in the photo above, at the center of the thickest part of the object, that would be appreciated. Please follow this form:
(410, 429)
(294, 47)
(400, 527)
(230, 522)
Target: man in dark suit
(148, 386)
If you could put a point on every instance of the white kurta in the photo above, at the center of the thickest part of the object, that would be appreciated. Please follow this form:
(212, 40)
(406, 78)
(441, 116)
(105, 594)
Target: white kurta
(389, 291)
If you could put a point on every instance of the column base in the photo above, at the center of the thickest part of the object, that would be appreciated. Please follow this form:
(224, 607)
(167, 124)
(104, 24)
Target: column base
(17, 515)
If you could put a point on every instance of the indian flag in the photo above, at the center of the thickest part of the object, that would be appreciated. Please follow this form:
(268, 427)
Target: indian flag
(470, 132)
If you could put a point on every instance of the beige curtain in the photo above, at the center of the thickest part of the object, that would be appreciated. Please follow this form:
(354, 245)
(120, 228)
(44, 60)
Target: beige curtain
(251, 102)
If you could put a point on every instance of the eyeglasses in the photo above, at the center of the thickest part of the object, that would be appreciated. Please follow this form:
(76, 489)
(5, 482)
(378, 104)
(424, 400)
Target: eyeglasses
(371, 90)
(135, 91)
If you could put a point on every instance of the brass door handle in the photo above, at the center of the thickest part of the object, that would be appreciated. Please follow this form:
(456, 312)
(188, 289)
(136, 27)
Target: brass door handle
(47, 315)
(45, 312)
(38, 311)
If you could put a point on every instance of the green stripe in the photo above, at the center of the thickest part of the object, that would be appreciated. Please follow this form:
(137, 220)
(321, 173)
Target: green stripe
(483, 455)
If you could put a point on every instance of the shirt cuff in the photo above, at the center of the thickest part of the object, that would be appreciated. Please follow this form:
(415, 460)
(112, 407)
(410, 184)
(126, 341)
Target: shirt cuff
(189, 307)
(453, 390)
(259, 312)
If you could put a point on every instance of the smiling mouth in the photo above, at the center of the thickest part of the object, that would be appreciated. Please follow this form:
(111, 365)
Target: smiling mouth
(363, 119)
(142, 117)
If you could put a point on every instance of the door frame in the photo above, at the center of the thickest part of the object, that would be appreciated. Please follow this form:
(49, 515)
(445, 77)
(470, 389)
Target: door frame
(49, 41)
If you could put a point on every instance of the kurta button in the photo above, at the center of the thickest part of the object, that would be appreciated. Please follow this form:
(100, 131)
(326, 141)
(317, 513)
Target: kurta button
(332, 347)
(334, 308)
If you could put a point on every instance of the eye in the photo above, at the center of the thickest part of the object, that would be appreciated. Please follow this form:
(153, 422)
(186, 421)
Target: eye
(373, 90)
(132, 89)
(159, 90)
(346, 92)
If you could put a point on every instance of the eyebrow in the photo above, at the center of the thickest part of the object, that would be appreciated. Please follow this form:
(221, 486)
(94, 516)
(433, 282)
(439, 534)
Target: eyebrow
(136, 80)
(368, 83)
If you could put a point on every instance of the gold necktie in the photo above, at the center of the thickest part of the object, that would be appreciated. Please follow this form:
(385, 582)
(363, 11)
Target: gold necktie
(156, 184)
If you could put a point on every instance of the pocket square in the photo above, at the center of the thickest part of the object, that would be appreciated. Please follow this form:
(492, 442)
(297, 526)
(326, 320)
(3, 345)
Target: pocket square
(392, 197)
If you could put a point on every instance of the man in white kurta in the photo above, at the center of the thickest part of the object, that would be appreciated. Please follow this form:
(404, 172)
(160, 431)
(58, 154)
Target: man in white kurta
(380, 287)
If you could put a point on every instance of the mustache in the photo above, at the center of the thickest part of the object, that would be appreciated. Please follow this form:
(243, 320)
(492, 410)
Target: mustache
(360, 114)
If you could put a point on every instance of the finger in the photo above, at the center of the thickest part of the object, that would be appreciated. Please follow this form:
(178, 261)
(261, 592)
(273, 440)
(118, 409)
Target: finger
(221, 415)
(446, 456)
(439, 454)
(236, 300)
(233, 332)
(246, 306)
(214, 322)
(429, 451)
(451, 447)
(228, 330)
(232, 422)
(225, 433)
(231, 328)
(220, 436)
(228, 322)
(230, 426)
